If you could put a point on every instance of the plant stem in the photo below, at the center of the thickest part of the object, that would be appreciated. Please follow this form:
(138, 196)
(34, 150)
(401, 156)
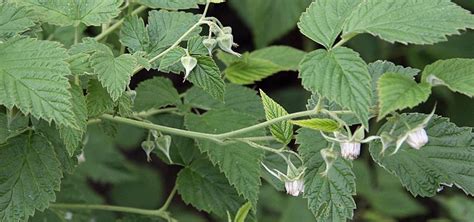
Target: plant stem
(159, 213)
(169, 199)
(118, 24)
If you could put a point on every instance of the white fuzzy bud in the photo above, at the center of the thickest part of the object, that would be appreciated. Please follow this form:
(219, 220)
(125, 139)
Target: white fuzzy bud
(350, 150)
(189, 63)
(417, 138)
(81, 158)
(295, 187)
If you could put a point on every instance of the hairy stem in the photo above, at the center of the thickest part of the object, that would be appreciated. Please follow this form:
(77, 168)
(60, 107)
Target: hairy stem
(159, 213)
(115, 26)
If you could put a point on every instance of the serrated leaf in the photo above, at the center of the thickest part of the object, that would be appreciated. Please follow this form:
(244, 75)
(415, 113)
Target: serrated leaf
(30, 175)
(14, 20)
(349, 117)
(446, 159)
(98, 100)
(202, 185)
(238, 161)
(33, 79)
(173, 57)
(398, 91)
(156, 93)
(172, 5)
(341, 76)
(282, 131)
(114, 73)
(282, 12)
(196, 47)
(134, 34)
(12, 126)
(207, 76)
(73, 136)
(456, 74)
(329, 197)
(236, 97)
(73, 12)
(325, 125)
(88, 46)
(324, 19)
(263, 63)
(79, 64)
(409, 21)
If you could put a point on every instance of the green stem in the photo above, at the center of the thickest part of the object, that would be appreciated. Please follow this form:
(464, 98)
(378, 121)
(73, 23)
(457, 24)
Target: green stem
(76, 34)
(169, 199)
(117, 24)
(159, 213)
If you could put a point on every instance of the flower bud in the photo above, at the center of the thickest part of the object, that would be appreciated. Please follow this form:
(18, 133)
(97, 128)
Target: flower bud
(148, 147)
(210, 44)
(225, 42)
(132, 94)
(189, 63)
(350, 150)
(227, 30)
(417, 138)
(81, 158)
(295, 187)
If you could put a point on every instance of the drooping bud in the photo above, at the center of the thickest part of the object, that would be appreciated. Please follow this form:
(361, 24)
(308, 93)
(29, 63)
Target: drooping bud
(295, 187)
(350, 150)
(227, 30)
(210, 44)
(417, 138)
(189, 63)
(293, 179)
(225, 42)
(164, 144)
(148, 146)
(132, 94)
(329, 156)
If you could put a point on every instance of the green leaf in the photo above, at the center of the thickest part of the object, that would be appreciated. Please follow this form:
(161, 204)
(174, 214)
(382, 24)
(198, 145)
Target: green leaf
(324, 19)
(196, 47)
(202, 185)
(349, 117)
(446, 159)
(282, 131)
(30, 174)
(329, 197)
(397, 91)
(172, 58)
(207, 76)
(98, 100)
(88, 46)
(325, 125)
(261, 16)
(79, 64)
(134, 34)
(236, 97)
(114, 73)
(12, 126)
(238, 161)
(156, 93)
(456, 74)
(243, 212)
(73, 136)
(14, 20)
(341, 76)
(172, 5)
(33, 79)
(409, 21)
(263, 63)
(73, 12)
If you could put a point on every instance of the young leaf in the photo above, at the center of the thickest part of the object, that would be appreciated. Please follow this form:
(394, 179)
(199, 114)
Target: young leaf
(30, 175)
(171, 5)
(32, 78)
(263, 63)
(202, 185)
(329, 197)
(14, 20)
(243, 212)
(409, 21)
(73, 12)
(238, 161)
(456, 74)
(341, 76)
(397, 91)
(134, 34)
(446, 159)
(334, 13)
(282, 131)
(113, 72)
(207, 76)
(325, 125)
(156, 93)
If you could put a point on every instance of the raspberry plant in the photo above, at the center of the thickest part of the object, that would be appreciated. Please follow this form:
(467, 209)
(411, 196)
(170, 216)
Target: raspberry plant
(61, 87)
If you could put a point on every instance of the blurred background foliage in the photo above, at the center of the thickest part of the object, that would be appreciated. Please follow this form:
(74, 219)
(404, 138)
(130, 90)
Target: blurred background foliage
(116, 171)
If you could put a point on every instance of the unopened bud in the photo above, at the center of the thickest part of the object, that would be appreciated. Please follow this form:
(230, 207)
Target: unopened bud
(148, 147)
(295, 187)
(225, 42)
(189, 63)
(417, 138)
(210, 44)
(350, 150)
(227, 30)
(132, 94)
(81, 158)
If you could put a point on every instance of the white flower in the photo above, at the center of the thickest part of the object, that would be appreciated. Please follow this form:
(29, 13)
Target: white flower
(294, 188)
(350, 150)
(417, 138)
(81, 158)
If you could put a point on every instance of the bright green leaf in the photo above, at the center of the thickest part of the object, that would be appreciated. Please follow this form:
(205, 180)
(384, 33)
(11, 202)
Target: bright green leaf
(243, 212)
(207, 76)
(33, 79)
(30, 176)
(156, 93)
(446, 159)
(398, 91)
(325, 125)
(456, 74)
(341, 76)
(282, 131)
